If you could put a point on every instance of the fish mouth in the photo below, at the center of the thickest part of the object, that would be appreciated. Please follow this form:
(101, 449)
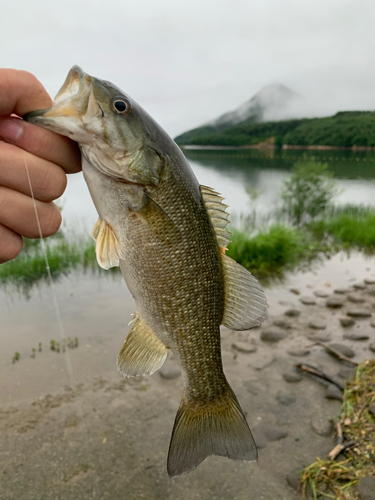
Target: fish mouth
(74, 105)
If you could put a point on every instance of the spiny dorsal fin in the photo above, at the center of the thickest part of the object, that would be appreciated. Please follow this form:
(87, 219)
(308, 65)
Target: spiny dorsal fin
(245, 301)
(142, 353)
(219, 217)
(108, 252)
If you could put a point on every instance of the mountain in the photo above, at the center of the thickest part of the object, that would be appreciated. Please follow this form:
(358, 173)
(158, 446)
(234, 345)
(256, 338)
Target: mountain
(273, 102)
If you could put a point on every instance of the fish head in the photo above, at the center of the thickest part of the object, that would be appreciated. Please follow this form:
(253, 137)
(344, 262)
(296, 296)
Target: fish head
(115, 134)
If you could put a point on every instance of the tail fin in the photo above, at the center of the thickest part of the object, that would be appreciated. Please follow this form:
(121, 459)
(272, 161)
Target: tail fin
(217, 428)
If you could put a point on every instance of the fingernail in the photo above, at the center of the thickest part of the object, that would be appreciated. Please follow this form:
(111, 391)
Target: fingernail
(11, 130)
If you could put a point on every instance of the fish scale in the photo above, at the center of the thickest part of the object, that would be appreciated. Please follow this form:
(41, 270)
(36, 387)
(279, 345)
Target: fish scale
(169, 236)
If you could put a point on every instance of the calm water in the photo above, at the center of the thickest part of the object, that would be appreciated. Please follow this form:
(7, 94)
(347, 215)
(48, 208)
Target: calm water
(232, 172)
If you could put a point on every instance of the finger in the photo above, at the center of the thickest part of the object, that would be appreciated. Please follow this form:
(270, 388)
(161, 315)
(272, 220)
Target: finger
(11, 244)
(48, 180)
(21, 92)
(17, 213)
(42, 143)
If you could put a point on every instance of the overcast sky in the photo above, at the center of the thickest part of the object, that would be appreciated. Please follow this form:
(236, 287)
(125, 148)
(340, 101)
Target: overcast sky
(188, 61)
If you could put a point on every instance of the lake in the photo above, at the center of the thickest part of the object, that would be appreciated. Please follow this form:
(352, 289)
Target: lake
(233, 172)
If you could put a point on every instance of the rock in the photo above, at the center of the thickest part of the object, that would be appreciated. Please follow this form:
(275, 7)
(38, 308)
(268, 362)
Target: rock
(347, 322)
(272, 335)
(292, 377)
(285, 399)
(321, 425)
(317, 324)
(369, 281)
(295, 291)
(341, 291)
(298, 352)
(371, 409)
(359, 286)
(372, 347)
(334, 301)
(265, 433)
(356, 336)
(366, 488)
(371, 291)
(356, 299)
(292, 313)
(358, 313)
(169, 372)
(372, 324)
(333, 392)
(321, 294)
(308, 301)
(282, 323)
(244, 347)
(344, 349)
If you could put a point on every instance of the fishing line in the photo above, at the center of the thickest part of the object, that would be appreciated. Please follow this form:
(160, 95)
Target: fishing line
(68, 362)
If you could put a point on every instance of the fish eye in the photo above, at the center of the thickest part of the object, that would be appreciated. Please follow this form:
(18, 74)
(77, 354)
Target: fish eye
(120, 106)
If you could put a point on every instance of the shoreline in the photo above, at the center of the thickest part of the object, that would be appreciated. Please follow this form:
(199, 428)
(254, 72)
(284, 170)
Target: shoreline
(272, 147)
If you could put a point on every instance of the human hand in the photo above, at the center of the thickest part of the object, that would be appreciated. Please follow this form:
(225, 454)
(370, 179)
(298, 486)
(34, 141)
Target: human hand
(48, 156)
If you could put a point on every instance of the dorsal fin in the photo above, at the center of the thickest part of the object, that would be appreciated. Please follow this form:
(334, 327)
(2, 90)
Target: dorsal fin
(219, 217)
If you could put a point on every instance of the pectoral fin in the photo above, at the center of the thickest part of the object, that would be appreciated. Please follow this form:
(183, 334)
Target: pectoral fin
(245, 301)
(108, 251)
(142, 353)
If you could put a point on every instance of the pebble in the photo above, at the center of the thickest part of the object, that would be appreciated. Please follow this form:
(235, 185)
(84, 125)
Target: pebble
(298, 352)
(333, 392)
(359, 286)
(371, 409)
(262, 361)
(321, 293)
(347, 322)
(366, 488)
(292, 377)
(341, 291)
(285, 399)
(317, 324)
(169, 372)
(372, 324)
(357, 299)
(356, 336)
(272, 335)
(308, 301)
(295, 291)
(244, 347)
(265, 433)
(334, 301)
(369, 281)
(372, 347)
(358, 313)
(321, 425)
(344, 349)
(371, 291)
(346, 372)
(294, 480)
(292, 313)
(282, 323)
(319, 336)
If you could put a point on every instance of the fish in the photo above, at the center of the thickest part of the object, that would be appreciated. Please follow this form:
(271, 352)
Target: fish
(169, 236)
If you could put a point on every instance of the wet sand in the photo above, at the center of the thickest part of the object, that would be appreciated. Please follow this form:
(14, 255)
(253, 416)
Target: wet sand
(92, 434)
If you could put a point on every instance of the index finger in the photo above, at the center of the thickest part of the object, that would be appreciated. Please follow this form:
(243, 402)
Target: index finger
(21, 92)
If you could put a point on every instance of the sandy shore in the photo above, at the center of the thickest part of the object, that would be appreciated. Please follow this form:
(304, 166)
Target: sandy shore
(92, 434)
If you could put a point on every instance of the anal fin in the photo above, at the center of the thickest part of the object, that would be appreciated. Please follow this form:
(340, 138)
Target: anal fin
(245, 301)
(142, 353)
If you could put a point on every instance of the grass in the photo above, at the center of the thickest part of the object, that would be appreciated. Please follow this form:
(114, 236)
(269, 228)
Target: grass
(338, 479)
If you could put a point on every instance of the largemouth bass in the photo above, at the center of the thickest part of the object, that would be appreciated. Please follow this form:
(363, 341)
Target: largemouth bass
(168, 234)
